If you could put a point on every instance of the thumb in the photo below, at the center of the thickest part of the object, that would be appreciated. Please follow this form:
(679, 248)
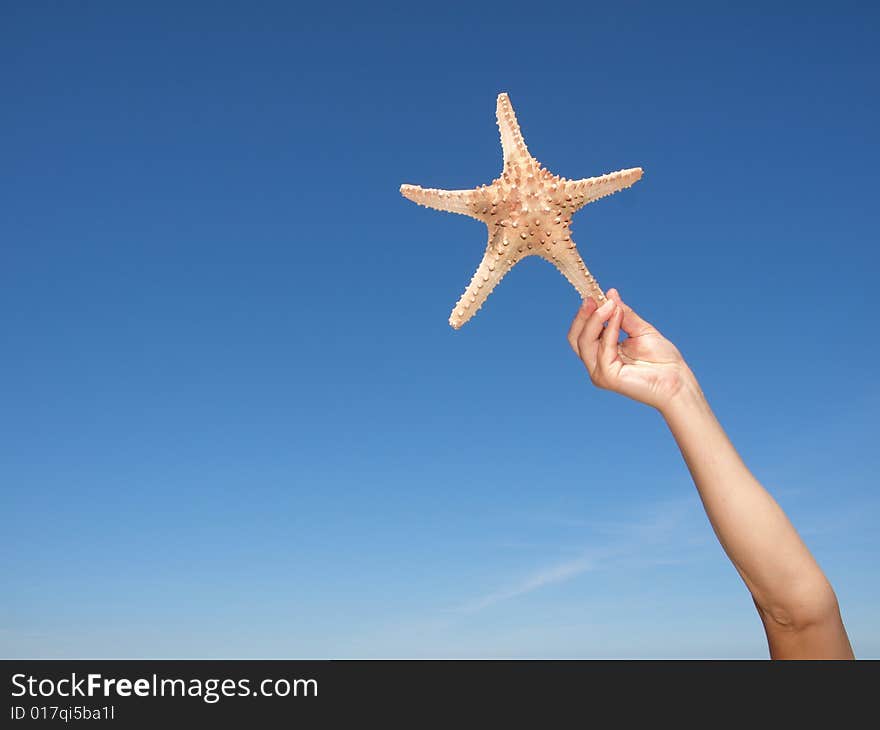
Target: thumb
(632, 323)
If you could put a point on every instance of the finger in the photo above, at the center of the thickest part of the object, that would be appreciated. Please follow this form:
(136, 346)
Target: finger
(588, 340)
(632, 323)
(608, 342)
(580, 319)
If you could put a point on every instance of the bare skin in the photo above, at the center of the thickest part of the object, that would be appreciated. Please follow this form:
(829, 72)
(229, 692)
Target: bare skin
(794, 599)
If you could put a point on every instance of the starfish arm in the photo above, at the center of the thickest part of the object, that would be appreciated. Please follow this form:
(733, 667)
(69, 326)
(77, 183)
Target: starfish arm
(589, 189)
(573, 268)
(491, 270)
(466, 202)
(512, 143)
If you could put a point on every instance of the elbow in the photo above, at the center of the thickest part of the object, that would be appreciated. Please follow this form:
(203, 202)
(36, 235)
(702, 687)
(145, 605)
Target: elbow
(808, 605)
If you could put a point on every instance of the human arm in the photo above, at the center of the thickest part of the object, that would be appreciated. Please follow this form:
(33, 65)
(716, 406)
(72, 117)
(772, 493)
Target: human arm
(794, 598)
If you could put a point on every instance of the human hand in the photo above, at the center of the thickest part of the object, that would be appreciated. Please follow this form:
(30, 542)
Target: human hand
(645, 366)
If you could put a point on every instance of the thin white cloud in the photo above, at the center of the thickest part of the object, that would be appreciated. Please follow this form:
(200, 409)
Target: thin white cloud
(637, 540)
(553, 574)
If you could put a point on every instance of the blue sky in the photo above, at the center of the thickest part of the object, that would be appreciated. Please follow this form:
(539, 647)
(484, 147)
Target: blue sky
(235, 420)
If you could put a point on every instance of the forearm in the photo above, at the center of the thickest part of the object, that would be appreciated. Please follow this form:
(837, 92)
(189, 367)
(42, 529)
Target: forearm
(784, 579)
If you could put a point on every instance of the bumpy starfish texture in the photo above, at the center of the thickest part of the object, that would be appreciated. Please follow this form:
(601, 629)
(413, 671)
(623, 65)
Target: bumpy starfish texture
(528, 211)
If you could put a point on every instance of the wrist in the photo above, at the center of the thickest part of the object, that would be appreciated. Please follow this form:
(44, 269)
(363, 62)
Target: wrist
(688, 397)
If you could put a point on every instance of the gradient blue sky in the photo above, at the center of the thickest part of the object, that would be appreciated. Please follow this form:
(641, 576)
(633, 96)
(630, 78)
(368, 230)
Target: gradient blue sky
(235, 421)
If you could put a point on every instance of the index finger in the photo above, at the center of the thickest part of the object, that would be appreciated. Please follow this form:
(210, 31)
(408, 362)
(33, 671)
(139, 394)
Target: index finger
(579, 322)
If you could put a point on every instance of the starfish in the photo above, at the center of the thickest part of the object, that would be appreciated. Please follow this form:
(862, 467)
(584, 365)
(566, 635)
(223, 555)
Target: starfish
(528, 211)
